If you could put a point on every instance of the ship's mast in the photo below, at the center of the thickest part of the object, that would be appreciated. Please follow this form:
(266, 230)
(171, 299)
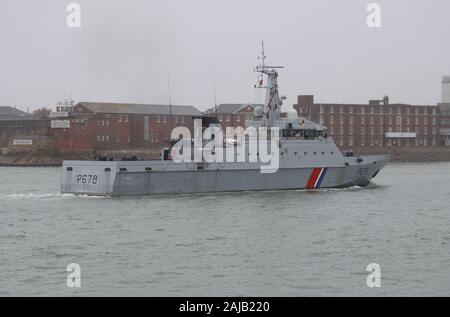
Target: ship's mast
(273, 103)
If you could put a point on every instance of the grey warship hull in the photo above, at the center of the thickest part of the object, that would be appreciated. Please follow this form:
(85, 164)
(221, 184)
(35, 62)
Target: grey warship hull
(161, 177)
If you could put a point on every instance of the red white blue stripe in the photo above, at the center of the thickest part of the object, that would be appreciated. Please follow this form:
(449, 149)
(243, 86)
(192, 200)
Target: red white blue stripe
(316, 177)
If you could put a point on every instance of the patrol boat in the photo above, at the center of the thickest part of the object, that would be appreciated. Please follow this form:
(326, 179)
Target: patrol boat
(307, 158)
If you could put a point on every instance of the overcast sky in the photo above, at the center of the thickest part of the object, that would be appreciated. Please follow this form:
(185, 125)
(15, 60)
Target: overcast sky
(123, 50)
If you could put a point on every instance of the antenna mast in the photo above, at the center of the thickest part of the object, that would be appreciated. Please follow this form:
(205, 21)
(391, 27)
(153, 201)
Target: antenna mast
(215, 94)
(170, 93)
(273, 103)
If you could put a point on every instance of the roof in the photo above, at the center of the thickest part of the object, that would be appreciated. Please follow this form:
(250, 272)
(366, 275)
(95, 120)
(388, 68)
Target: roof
(128, 108)
(10, 113)
(225, 108)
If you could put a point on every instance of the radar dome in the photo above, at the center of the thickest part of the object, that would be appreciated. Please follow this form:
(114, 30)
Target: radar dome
(258, 112)
(292, 115)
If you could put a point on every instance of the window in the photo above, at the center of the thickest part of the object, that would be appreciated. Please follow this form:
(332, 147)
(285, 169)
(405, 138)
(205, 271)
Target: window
(107, 123)
(164, 118)
(98, 138)
(350, 141)
(158, 118)
(107, 138)
(331, 109)
(350, 130)
(341, 109)
(363, 120)
(362, 131)
(182, 120)
(126, 117)
(146, 129)
(350, 109)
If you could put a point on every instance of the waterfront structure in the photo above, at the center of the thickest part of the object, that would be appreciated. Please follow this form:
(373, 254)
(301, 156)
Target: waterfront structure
(94, 125)
(377, 123)
(19, 129)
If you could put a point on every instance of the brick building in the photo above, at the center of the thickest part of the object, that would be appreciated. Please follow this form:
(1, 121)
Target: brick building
(233, 115)
(94, 125)
(444, 130)
(377, 123)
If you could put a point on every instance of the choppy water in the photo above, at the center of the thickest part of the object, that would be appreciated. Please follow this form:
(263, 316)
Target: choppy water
(280, 243)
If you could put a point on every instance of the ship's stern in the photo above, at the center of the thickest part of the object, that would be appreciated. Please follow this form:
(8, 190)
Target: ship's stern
(93, 178)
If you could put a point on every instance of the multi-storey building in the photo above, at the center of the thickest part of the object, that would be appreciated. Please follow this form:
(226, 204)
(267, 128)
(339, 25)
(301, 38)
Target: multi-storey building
(444, 130)
(110, 125)
(377, 123)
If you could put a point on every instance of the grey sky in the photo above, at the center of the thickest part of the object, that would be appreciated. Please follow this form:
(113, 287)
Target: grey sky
(123, 49)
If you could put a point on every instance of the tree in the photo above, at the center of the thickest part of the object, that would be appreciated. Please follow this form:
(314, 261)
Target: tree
(42, 112)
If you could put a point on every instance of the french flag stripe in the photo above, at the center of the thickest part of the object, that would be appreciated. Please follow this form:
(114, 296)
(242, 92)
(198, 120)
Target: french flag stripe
(313, 178)
(321, 177)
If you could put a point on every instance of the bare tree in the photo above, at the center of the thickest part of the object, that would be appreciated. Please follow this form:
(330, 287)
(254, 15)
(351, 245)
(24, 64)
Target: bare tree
(42, 112)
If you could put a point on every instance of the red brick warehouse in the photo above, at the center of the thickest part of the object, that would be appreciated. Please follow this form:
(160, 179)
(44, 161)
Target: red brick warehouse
(92, 125)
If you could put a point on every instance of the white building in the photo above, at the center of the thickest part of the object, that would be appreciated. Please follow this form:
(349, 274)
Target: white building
(446, 89)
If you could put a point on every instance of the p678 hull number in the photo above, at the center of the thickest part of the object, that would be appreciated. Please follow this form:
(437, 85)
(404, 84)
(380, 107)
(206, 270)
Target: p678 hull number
(87, 179)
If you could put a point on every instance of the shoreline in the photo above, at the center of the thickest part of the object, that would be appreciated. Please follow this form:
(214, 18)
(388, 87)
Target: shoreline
(431, 156)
